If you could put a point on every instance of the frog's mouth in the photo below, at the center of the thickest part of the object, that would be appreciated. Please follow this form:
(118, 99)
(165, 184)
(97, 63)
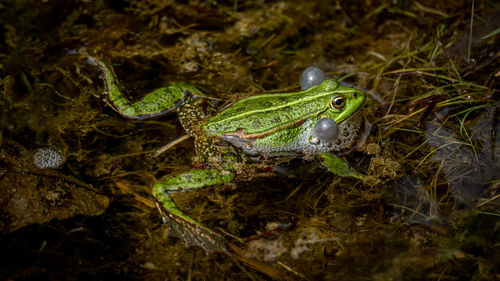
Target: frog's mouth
(362, 132)
(350, 118)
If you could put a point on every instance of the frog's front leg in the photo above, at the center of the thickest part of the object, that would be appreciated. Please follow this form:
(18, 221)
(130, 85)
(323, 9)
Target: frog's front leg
(180, 224)
(155, 103)
(338, 166)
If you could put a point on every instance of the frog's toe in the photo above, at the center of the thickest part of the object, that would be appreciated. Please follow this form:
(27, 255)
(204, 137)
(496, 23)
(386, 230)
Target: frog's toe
(339, 167)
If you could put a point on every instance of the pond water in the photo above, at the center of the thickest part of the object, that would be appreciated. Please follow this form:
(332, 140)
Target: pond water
(76, 176)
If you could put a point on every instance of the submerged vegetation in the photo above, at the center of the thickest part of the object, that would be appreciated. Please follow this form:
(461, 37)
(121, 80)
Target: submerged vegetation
(429, 207)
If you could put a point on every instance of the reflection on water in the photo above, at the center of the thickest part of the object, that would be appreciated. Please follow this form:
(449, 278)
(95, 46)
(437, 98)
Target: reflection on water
(468, 158)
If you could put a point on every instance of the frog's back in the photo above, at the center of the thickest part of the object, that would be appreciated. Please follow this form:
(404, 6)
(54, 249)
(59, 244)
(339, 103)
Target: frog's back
(263, 114)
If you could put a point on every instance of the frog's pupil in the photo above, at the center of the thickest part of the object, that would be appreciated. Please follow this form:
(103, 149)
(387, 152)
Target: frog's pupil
(339, 102)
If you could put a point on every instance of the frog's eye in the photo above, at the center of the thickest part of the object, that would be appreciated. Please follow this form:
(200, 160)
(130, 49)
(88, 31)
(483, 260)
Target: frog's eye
(337, 103)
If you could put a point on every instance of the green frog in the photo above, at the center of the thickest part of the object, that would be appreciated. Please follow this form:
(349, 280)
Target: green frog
(316, 121)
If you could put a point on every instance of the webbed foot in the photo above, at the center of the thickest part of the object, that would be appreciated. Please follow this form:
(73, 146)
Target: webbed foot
(191, 232)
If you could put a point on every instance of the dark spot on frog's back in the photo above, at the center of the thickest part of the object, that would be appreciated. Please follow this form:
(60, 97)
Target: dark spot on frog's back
(267, 104)
(255, 122)
(283, 100)
(226, 127)
(217, 127)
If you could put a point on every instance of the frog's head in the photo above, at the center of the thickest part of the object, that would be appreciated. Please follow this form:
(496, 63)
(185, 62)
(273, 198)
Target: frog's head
(343, 101)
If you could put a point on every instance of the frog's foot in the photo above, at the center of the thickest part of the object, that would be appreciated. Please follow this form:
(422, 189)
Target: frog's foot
(155, 103)
(180, 224)
(190, 231)
(338, 166)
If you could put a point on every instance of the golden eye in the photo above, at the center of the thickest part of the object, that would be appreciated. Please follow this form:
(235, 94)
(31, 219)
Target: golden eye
(337, 103)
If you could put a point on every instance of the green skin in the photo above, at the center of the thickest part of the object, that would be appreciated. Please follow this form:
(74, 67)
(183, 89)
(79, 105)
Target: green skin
(272, 125)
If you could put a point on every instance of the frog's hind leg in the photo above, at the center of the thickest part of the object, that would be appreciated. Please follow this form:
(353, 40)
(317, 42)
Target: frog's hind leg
(180, 224)
(155, 103)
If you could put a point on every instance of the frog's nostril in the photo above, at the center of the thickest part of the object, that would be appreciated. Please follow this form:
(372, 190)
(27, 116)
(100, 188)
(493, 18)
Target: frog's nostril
(355, 95)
